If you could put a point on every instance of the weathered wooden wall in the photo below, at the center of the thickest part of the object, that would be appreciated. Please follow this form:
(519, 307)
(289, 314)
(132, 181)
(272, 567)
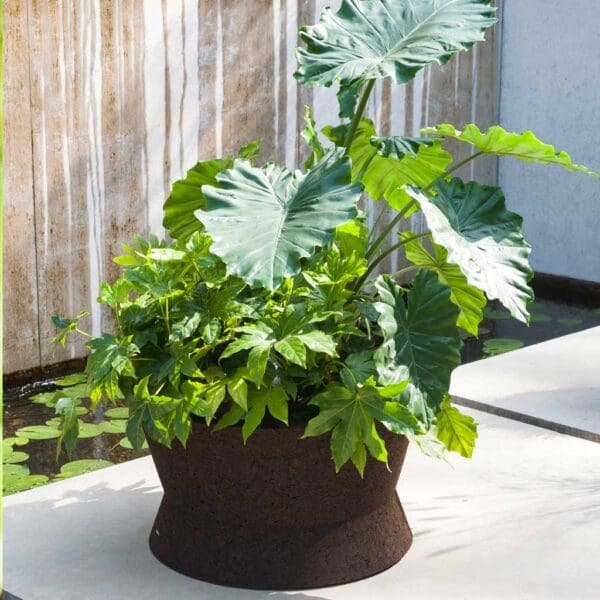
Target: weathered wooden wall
(107, 102)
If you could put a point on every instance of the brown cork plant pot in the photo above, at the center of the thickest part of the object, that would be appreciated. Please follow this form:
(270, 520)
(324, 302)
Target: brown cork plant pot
(274, 514)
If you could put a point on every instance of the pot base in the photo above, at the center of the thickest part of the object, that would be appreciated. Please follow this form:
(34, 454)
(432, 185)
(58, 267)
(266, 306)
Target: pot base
(274, 514)
(280, 558)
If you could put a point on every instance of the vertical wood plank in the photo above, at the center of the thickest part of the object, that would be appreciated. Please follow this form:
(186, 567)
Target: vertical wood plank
(21, 332)
(209, 16)
(248, 96)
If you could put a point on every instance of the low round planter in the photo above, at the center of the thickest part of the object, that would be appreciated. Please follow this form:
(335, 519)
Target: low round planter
(274, 514)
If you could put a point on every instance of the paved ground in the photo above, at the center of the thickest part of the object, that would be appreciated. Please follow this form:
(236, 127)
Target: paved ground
(521, 520)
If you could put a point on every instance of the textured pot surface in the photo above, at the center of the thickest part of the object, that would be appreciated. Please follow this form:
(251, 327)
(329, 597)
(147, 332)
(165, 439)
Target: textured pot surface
(273, 514)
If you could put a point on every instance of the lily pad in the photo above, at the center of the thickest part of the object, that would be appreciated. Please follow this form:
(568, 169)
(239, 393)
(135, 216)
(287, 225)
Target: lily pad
(89, 430)
(496, 314)
(72, 379)
(570, 321)
(500, 346)
(38, 432)
(540, 318)
(78, 467)
(113, 426)
(125, 443)
(12, 457)
(19, 483)
(14, 441)
(121, 412)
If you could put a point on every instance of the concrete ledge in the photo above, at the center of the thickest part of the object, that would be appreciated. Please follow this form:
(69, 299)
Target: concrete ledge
(557, 381)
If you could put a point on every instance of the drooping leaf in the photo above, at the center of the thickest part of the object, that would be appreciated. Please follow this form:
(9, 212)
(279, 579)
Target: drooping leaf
(469, 299)
(524, 146)
(373, 39)
(187, 197)
(350, 415)
(386, 176)
(296, 214)
(456, 430)
(275, 399)
(482, 238)
(419, 333)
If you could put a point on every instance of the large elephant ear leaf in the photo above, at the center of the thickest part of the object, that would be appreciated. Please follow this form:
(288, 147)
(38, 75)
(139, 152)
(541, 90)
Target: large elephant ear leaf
(374, 39)
(419, 333)
(524, 146)
(262, 221)
(469, 299)
(187, 197)
(482, 237)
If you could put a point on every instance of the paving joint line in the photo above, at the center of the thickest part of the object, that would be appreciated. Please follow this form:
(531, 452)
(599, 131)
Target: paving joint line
(513, 415)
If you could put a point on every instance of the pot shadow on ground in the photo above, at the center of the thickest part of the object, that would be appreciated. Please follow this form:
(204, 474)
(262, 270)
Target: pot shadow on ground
(93, 543)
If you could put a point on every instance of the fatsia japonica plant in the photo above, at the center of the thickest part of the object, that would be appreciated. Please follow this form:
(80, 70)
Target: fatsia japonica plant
(267, 306)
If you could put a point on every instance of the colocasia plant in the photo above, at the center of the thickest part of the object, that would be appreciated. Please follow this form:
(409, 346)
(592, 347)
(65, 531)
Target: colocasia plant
(267, 307)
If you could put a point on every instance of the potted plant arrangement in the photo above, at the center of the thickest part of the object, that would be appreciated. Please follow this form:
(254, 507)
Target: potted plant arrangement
(260, 343)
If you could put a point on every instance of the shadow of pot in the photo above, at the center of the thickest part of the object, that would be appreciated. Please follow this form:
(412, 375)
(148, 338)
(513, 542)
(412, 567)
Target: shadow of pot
(273, 514)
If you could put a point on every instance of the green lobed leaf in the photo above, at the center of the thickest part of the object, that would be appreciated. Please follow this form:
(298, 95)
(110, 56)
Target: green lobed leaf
(386, 176)
(419, 333)
(296, 213)
(469, 299)
(524, 146)
(187, 197)
(483, 238)
(275, 399)
(456, 430)
(374, 39)
(350, 415)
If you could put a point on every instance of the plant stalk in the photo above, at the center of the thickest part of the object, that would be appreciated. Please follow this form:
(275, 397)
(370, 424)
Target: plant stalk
(358, 114)
(385, 254)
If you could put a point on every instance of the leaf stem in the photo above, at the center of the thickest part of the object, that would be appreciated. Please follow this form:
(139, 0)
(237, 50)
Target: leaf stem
(377, 243)
(358, 114)
(377, 220)
(457, 166)
(385, 254)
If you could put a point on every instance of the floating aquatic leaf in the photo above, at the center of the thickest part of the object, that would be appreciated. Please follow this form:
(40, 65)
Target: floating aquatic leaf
(89, 430)
(38, 432)
(500, 346)
(16, 478)
(570, 321)
(113, 426)
(12, 457)
(497, 315)
(540, 318)
(78, 467)
(121, 412)
(125, 443)
(72, 379)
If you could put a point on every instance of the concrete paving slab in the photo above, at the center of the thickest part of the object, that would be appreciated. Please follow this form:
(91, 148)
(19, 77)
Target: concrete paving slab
(557, 381)
(520, 520)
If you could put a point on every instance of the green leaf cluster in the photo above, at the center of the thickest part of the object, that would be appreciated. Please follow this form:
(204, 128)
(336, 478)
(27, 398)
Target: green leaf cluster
(266, 307)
